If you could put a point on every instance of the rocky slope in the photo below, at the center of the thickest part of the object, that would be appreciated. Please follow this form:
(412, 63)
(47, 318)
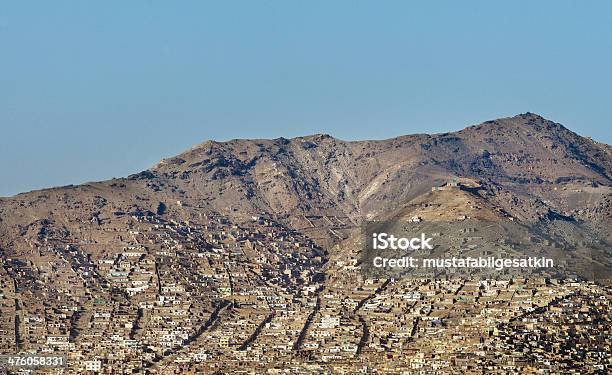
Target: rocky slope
(529, 167)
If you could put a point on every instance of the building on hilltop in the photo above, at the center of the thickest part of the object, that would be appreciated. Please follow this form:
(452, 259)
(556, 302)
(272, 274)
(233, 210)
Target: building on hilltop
(451, 184)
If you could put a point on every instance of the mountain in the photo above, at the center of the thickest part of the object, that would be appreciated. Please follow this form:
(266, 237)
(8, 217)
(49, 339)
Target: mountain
(284, 215)
(319, 173)
(528, 167)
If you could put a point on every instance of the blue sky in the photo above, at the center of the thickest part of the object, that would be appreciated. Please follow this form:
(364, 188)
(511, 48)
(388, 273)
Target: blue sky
(94, 90)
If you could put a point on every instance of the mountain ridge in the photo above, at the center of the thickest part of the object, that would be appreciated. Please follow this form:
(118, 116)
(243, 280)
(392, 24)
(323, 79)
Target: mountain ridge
(306, 174)
(465, 152)
(532, 117)
(530, 168)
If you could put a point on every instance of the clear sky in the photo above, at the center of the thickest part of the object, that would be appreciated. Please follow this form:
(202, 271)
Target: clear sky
(94, 90)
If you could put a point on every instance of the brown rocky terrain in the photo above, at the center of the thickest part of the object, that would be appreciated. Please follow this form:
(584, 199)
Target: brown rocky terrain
(529, 168)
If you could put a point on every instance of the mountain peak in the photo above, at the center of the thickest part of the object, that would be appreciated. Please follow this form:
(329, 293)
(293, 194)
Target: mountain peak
(529, 116)
(317, 137)
(525, 122)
